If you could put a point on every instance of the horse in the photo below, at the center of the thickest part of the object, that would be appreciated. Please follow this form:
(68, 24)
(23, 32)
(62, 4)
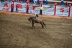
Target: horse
(34, 20)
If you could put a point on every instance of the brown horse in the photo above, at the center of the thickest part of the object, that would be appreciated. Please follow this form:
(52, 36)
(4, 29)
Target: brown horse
(34, 20)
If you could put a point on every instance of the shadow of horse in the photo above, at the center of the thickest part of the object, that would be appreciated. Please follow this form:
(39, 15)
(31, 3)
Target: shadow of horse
(34, 20)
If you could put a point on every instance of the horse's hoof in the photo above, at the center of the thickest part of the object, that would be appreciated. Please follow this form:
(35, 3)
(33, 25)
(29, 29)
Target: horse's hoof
(42, 27)
(33, 27)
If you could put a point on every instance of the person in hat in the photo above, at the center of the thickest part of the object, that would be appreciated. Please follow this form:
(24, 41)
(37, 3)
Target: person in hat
(41, 8)
(12, 7)
(17, 7)
(36, 16)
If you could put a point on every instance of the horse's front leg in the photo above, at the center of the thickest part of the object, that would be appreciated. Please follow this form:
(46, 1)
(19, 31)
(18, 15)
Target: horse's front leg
(33, 24)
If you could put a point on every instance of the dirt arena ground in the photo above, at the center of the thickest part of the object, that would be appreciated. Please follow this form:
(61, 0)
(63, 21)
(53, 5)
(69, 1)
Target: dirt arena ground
(16, 32)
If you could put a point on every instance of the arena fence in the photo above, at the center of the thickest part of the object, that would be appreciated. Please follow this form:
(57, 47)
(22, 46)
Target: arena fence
(53, 9)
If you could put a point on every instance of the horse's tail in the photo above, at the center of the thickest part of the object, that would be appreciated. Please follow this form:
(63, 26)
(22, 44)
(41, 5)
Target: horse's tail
(44, 24)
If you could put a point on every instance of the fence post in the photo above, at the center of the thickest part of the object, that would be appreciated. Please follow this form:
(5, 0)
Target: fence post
(69, 10)
(55, 8)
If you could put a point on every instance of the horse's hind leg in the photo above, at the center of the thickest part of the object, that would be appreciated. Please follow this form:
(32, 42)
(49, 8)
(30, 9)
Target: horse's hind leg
(42, 25)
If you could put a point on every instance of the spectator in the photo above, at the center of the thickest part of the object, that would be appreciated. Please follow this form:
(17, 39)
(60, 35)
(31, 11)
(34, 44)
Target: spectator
(12, 7)
(34, 1)
(16, 7)
(6, 4)
(33, 7)
(66, 4)
(27, 8)
(62, 2)
(41, 8)
(13, 1)
(41, 2)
